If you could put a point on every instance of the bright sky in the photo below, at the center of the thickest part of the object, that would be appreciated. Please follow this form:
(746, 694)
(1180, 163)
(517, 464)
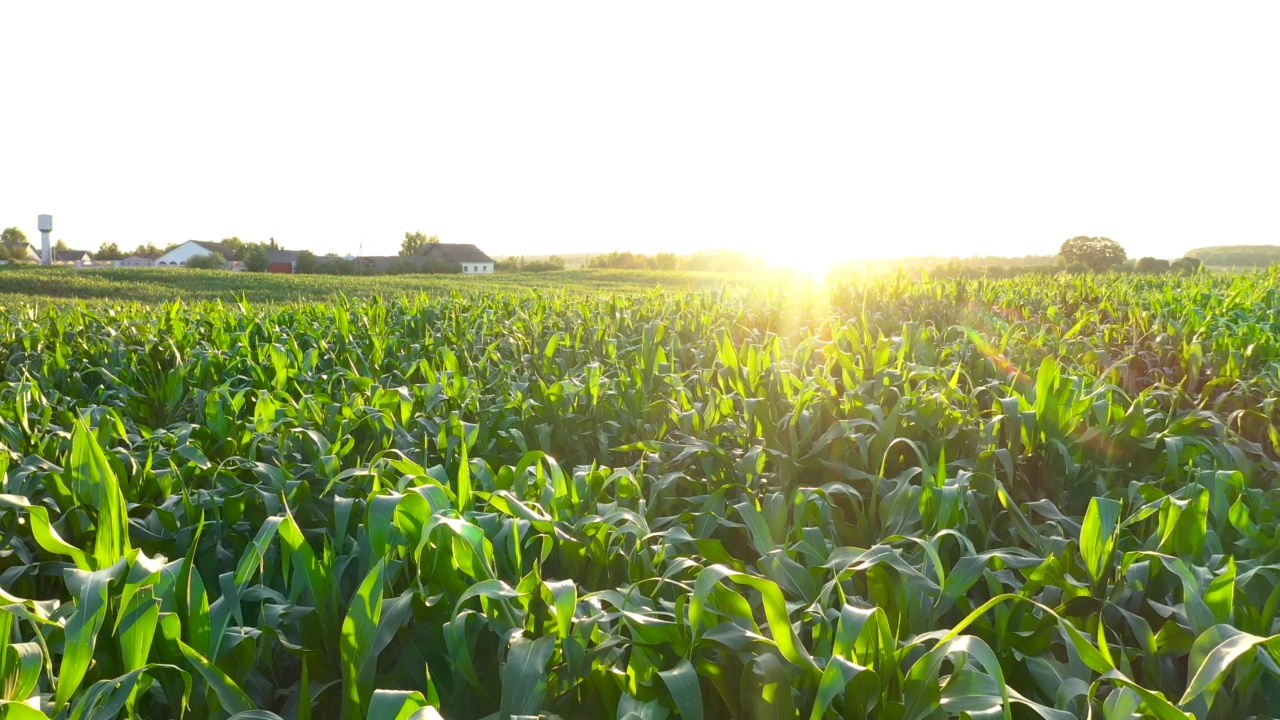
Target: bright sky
(786, 129)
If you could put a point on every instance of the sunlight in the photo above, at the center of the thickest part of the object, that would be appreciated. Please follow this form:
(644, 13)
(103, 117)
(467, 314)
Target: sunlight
(802, 263)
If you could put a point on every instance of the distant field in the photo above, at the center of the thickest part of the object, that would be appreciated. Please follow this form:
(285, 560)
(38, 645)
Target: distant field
(154, 285)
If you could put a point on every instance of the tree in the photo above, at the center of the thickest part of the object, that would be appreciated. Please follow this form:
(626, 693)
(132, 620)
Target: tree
(208, 261)
(1098, 253)
(60, 247)
(1152, 265)
(306, 262)
(15, 241)
(415, 241)
(108, 251)
(1186, 265)
(254, 257)
(149, 250)
(235, 245)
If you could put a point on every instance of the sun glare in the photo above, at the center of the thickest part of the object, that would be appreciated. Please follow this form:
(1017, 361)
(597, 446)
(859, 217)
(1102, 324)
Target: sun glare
(797, 260)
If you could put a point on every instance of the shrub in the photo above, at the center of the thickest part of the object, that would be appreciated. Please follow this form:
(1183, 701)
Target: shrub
(208, 261)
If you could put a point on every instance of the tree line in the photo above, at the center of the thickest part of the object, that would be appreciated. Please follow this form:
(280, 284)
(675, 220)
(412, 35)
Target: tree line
(1080, 254)
(707, 261)
(1228, 256)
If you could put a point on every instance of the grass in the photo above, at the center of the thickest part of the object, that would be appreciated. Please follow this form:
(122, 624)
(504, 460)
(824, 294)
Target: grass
(1049, 497)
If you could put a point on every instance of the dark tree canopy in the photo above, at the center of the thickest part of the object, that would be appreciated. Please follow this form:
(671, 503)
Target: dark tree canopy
(1098, 253)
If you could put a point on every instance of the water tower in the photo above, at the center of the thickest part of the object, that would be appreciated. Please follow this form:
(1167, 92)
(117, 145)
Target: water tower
(46, 227)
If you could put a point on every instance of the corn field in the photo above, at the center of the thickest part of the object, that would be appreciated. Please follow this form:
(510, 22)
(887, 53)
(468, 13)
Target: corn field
(1046, 497)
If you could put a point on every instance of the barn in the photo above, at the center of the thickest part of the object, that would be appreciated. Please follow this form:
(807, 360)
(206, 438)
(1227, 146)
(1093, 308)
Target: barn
(284, 262)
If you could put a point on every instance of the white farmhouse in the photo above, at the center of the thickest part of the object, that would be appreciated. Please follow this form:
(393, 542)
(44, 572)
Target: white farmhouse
(179, 256)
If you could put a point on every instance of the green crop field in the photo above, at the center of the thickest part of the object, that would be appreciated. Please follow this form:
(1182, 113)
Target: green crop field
(571, 496)
(23, 284)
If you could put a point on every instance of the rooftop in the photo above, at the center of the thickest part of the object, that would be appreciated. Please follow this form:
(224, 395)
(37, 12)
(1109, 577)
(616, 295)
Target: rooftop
(457, 252)
(216, 247)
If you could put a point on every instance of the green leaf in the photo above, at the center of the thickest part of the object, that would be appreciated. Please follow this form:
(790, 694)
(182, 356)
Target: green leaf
(775, 609)
(395, 704)
(46, 536)
(137, 628)
(524, 675)
(1221, 595)
(356, 645)
(1227, 645)
(318, 577)
(682, 683)
(230, 697)
(22, 669)
(82, 628)
(859, 686)
(1098, 535)
(13, 710)
(95, 484)
(107, 698)
(564, 601)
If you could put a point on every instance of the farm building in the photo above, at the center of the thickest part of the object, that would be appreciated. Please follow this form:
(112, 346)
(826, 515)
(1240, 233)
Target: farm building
(282, 261)
(179, 256)
(64, 258)
(471, 258)
(377, 264)
(136, 261)
(72, 258)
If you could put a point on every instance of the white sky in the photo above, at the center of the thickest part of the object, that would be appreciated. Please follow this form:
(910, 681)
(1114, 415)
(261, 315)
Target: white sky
(788, 129)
